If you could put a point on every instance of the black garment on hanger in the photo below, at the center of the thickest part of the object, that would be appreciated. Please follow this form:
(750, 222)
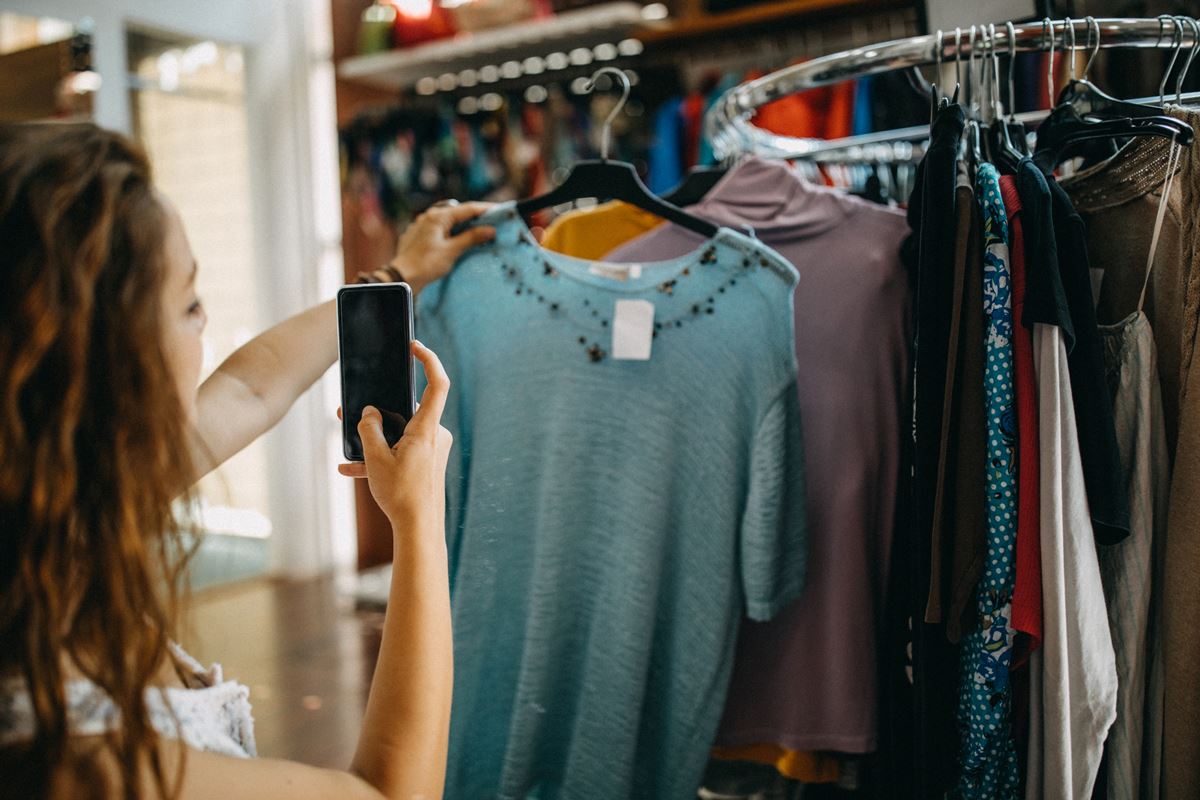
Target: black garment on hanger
(1060, 293)
(1107, 498)
(919, 729)
(1061, 133)
(1045, 297)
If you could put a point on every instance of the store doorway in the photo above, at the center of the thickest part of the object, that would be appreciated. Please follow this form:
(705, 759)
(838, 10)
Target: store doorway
(188, 100)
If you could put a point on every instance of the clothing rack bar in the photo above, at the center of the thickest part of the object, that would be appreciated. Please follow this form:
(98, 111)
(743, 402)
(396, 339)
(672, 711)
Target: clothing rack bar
(869, 147)
(727, 122)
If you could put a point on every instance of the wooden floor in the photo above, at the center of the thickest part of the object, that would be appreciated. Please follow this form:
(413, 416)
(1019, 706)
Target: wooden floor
(305, 653)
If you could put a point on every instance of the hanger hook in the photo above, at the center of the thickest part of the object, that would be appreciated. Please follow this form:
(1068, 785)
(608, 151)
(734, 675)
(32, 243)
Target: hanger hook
(972, 82)
(1093, 48)
(981, 76)
(957, 62)
(985, 85)
(936, 94)
(1187, 65)
(1011, 30)
(1069, 30)
(1048, 27)
(1177, 41)
(978, 73)
(992, 67)
(606, 131)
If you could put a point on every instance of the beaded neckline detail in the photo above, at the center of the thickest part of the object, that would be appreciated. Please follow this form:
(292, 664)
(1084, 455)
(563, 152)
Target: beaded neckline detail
(540, 283)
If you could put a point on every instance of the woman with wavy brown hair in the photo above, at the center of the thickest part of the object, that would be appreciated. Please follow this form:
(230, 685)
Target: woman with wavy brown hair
(103, 428)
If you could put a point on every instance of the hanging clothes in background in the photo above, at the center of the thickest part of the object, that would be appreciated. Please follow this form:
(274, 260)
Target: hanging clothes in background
(692, 112)
(862, 119)
(1029, 76)
(1132, 570)
(1027, 579)
(1073, 675)
(666, 153)
(583, 571)
(1107, 503)
(988, 755)
(958, 540)
(1129, 569)
(824, 113)
(413, 158)
(868, 104)
(1073, 680)
(921, 665)
(1125, 190)
(1181, 601)
(852, 329)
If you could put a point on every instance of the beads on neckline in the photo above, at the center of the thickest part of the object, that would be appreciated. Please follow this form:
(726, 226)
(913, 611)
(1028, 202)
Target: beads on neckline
(595, 352)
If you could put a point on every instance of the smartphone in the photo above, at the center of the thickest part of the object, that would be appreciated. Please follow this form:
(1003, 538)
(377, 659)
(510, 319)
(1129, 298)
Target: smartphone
(375, 334)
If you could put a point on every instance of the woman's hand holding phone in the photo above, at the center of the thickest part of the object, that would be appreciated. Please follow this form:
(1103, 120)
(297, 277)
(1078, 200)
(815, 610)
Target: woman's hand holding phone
(402, 750)
(408, 481)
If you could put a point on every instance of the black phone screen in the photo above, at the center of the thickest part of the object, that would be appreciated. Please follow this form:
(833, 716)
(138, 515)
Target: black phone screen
(375, 340)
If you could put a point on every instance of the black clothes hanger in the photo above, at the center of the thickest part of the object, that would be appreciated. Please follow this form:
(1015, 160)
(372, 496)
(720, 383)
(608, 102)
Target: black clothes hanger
(698, 182)
(1064, 129)
(1082, 93)
(972, 133)
(613, 180)
(1105, 117)
(1004, 153)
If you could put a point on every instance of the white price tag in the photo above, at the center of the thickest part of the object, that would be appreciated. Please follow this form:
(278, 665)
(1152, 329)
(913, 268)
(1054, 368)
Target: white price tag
(616, 272)
(633, 330)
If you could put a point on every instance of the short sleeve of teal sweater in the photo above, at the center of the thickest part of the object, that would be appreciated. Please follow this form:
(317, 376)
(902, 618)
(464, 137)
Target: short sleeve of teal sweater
(610, 521)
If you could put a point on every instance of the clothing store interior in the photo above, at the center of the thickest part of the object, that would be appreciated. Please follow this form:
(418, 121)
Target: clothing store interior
(817, 375)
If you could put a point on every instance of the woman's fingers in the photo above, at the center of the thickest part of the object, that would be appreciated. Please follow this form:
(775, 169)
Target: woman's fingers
(464, 211)
(354, 469)
(370, 430)
(433, 402)
(472, 237)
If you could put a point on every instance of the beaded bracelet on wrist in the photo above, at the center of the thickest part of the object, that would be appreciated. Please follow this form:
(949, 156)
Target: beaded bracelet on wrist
(385, 274)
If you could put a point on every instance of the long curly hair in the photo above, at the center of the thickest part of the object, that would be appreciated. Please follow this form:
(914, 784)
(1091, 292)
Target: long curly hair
(93, 443)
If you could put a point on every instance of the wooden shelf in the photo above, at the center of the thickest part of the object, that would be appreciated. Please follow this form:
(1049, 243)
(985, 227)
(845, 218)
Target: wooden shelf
(588, 27)
(756, 16)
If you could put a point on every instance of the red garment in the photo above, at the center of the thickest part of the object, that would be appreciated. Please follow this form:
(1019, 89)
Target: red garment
(1044, 100)
(823, 113)
(692, 112)
(1027, 594)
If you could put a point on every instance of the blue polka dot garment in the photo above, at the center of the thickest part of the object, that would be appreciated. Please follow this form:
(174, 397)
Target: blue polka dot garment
(988, 756)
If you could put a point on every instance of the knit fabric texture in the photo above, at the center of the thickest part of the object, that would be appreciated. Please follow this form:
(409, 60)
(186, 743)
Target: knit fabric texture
(609, 520)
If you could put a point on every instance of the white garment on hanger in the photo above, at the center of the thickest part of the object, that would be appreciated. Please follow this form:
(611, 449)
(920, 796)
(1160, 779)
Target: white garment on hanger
(1073, 676)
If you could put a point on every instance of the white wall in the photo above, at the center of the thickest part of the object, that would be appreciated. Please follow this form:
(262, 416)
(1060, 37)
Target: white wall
(297, 215)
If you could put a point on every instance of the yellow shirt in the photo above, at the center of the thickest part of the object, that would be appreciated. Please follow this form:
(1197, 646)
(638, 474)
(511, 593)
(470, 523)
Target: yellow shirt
(595, 232)
(798, 765)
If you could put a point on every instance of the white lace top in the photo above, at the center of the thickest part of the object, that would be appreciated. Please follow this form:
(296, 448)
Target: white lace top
(214, 717)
